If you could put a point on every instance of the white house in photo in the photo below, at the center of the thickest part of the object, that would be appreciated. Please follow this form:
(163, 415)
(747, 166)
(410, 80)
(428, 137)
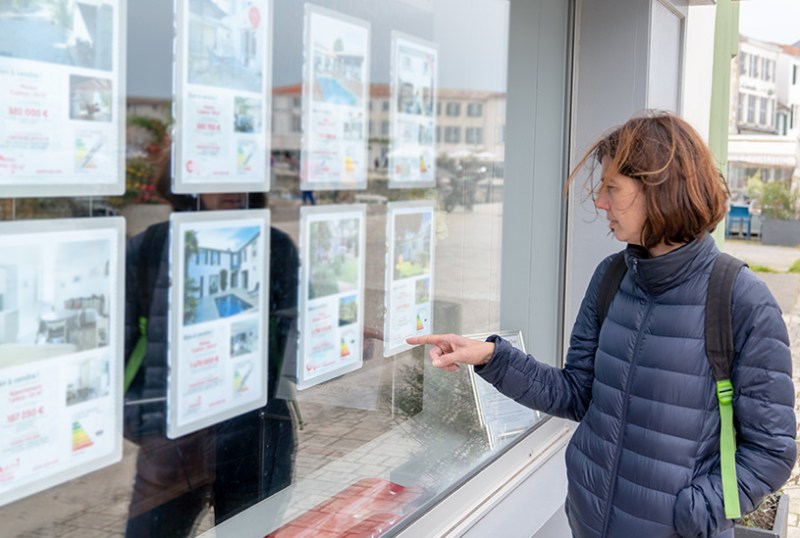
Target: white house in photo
(219, 270)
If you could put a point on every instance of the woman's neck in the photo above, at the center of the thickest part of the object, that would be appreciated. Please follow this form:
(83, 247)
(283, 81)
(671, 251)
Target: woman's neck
(662, 248)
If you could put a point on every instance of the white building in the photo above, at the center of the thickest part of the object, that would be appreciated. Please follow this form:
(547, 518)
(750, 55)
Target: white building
(765, 112)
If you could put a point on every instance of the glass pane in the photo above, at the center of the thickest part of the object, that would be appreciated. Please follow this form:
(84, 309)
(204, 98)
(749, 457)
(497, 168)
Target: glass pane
(275, 378)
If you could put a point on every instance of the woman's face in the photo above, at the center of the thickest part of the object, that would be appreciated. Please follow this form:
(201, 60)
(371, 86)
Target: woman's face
(223, 201)
(622, 198)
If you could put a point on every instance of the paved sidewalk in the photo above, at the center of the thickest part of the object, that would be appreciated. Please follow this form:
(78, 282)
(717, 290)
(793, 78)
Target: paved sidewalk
(786, 289)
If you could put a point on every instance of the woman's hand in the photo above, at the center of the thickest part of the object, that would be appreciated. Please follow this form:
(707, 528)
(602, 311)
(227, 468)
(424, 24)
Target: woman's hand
(450, 349)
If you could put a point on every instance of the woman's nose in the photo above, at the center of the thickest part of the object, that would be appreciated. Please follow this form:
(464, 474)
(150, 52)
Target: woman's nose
(601, 202)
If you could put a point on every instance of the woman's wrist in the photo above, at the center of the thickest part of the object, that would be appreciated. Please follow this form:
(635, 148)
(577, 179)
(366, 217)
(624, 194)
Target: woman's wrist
(488, 353)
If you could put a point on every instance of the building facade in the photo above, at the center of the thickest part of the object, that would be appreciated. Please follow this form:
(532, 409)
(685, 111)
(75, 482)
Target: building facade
(764, 129)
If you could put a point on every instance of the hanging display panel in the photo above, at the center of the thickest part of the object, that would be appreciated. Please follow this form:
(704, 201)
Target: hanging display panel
(502, 417)
(61, 319)
(409, 273)
(222, 96)
(332, 268)
(335, 99)
(62, 116)
(412, 157)
(218, 317)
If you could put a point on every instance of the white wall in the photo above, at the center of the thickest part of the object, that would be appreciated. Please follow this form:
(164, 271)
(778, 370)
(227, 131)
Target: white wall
(698, 66)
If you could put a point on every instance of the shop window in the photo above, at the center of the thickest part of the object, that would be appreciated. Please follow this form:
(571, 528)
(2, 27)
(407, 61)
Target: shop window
(452, 135)
(475, 110)
(740, 103)
(270, 339)
(474, 135)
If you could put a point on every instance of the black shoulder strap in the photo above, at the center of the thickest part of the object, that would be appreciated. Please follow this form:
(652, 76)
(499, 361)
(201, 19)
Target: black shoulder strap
(609, 285)
(719, 328)
(149, 262)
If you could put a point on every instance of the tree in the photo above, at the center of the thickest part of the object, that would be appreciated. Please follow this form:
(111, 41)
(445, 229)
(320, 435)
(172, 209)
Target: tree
(778, 201)
(190, 287)
(755, 186)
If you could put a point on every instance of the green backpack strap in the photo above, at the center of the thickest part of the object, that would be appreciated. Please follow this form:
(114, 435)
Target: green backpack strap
(149, 260)
(720, 352)
(137, 355)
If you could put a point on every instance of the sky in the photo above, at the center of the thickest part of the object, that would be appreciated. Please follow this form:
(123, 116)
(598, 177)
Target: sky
(777, 21)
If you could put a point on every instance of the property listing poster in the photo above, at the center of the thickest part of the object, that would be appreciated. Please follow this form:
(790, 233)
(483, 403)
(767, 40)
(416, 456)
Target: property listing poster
(409, 273)
(60, 351)
(335, 97)
(332, 270)
(222, 96)
(218, 317)
(412, 158)
(501, 417)
(61, 98)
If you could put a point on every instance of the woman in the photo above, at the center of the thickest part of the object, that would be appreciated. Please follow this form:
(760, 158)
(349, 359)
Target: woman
(235, 463)
(644, 460)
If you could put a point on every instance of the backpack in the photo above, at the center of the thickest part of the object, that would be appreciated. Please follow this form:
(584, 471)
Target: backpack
(155, 237)
(719, 349)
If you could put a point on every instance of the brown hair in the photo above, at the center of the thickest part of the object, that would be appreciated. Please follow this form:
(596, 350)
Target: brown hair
(685, 194)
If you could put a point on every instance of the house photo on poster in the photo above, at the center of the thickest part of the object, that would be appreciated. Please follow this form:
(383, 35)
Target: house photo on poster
(412, 157)
(218, 321)
(500, 416)
(332, 268)
(222, 95)
(60, 351)
(335, 97)
(61, 96)
(409, 273)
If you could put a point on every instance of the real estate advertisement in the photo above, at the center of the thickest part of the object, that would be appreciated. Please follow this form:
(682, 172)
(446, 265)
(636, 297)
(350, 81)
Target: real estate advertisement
(332, 269)
(61, 98)
(335, 99)
(501, 417)
(409, 273)
(61, 318)
(218, 317)
(412, 158)
(222, 96)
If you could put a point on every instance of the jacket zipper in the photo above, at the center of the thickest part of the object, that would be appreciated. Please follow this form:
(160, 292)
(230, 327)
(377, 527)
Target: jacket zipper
(623, 419)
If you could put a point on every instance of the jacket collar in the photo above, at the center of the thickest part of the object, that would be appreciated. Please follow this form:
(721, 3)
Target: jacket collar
(657, 275)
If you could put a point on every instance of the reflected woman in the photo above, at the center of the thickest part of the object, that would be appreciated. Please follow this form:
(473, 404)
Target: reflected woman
(234, 464)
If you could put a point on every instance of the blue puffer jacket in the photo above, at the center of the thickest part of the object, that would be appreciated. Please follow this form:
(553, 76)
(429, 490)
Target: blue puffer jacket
(644, 460)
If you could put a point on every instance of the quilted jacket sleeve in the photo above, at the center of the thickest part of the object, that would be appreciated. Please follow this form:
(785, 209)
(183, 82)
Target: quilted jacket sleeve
(763, 413)
(563, 392)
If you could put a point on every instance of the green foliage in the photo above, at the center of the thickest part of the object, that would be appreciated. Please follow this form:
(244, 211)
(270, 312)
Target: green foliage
(140, 185)
(157, 128)
(756, 268)
(795, 268)
(406, 269)
(778, 201)
(191, 287)
(755, 187)
(190, 300)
